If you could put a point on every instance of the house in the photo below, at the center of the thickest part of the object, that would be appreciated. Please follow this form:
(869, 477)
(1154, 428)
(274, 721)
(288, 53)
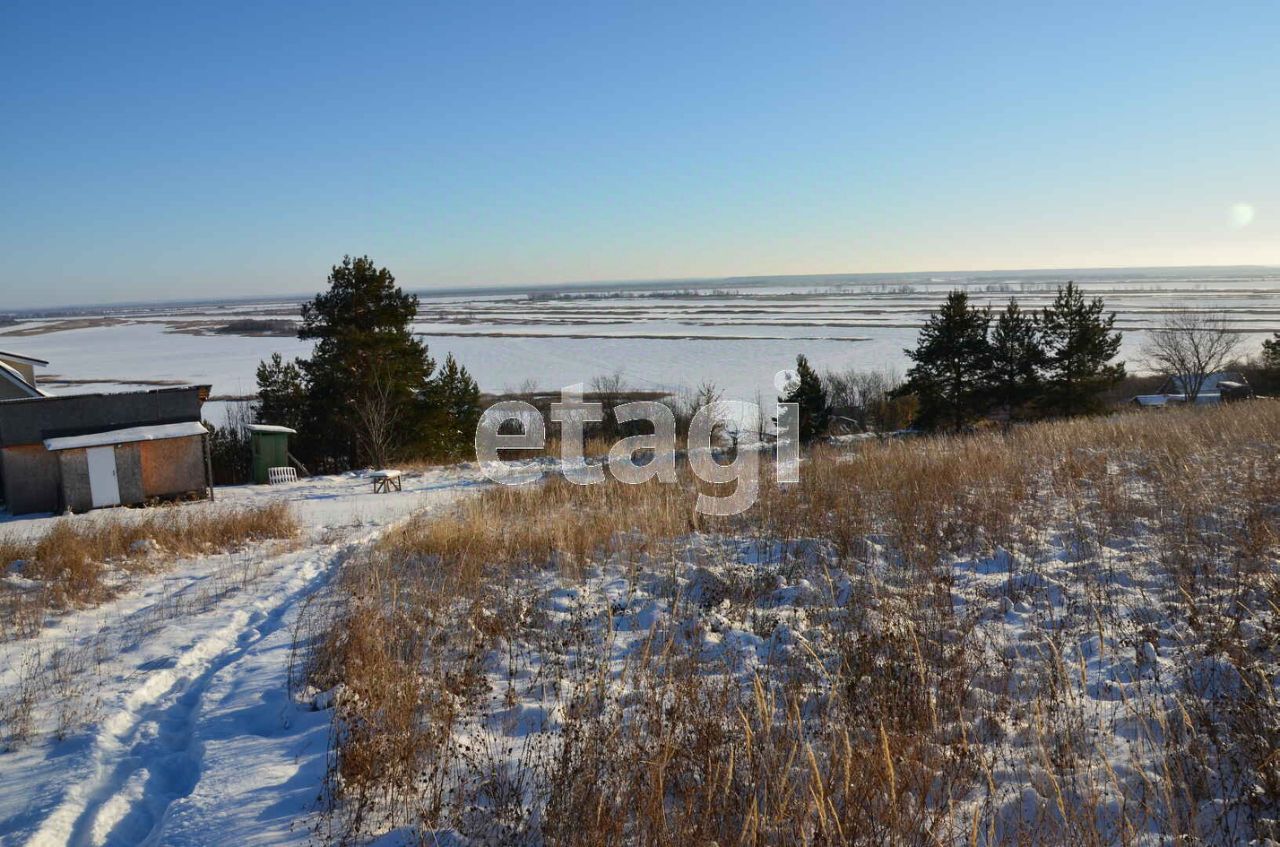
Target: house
(85, 451)
(18, 376)
(1219, 387)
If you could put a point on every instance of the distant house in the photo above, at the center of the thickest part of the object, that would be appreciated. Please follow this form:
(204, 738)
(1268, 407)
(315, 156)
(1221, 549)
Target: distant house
(86, 451)
(18, 376)
(1219, 387)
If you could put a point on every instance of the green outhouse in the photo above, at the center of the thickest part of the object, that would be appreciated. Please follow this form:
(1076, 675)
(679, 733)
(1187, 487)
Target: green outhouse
(270, 449)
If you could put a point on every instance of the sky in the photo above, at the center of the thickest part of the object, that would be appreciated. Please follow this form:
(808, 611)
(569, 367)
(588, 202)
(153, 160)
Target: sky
(191, 150)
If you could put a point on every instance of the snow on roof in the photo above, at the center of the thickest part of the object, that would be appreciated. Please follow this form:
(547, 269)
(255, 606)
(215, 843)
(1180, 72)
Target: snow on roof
(26, 360)
(158, 432)
(8, 374)
(272, 428)
(1151, 399)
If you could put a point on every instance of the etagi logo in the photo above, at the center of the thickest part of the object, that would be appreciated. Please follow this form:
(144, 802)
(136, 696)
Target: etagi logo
(740, 420)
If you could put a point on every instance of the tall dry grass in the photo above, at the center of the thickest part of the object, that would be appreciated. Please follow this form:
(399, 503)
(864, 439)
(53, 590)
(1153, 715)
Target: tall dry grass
(900, 711)
(71, 562)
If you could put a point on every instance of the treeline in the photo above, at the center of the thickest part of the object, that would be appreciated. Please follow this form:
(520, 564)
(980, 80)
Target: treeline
(370, 393)
(969, 364)
(1014, 365)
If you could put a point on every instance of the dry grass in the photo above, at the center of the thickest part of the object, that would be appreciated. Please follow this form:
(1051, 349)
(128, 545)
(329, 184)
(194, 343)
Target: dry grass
(82, 561)
(896, 704)
(71, 563)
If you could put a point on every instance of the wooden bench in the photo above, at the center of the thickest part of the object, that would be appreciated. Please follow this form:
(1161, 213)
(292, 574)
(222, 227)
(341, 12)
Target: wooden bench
(384, 481)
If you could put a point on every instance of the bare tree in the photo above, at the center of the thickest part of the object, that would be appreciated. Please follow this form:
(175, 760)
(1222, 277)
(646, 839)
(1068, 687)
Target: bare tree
(378, 413)
(861, 396)
(610, 391)
(1189, 347)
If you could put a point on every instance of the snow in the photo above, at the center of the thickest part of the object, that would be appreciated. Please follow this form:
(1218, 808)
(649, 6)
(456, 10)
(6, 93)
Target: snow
(159, 432)
(190, 735)
(193, 733)
(283, 430)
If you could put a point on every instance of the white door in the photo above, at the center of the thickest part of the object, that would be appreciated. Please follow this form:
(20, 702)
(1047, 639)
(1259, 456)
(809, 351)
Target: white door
(104, 487)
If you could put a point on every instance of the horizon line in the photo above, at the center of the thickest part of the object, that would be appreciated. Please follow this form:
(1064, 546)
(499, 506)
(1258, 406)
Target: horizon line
(581, 286)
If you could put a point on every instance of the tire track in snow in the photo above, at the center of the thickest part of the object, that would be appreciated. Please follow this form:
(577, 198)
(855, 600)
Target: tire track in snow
(144, 756)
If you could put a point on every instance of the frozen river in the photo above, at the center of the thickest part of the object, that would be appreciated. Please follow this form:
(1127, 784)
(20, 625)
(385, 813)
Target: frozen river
(734, 333)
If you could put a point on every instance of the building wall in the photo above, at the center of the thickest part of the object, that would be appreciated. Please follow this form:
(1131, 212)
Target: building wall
(30, 479)
(172, 466)
(74, 466)
(129, 474)
(32, 421)
(144, 469)
(9, 391)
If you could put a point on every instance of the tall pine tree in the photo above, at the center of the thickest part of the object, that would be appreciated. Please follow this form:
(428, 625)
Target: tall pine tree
(952, 359)
(1079, 342)
(1016, 359)
(366, 362)
(370, 390)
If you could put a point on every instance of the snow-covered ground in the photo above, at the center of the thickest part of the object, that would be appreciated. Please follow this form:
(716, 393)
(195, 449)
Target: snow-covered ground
(173, 698)
(1076, 635)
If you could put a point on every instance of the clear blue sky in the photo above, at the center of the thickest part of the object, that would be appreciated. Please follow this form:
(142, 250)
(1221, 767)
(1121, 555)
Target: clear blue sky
(205, 149)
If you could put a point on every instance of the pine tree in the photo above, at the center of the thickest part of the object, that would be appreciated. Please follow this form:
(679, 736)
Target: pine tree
(810, 395)
(282, 395)
(453, 411)
(367, 390)
(952, 359)
(367, 369)
(1271, 353)
(1016, 359)
(1079, 343)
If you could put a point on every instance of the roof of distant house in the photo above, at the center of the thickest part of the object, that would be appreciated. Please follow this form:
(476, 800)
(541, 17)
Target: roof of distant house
(26, 360)
(1210, 381)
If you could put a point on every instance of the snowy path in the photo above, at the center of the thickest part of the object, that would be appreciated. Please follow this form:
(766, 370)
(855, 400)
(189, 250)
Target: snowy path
(196, 740)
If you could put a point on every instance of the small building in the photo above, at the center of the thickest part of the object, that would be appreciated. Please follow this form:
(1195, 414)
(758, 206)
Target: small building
(18, 376)
(270, 445)
(85, 451)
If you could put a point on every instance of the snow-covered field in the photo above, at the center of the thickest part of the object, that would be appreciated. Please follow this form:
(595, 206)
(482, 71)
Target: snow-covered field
(735, 333)
(1070, 635)
(174, 699)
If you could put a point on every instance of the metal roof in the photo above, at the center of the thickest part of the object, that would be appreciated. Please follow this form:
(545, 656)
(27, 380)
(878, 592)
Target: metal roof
(26, 360)
(159, 432)
(8, 374)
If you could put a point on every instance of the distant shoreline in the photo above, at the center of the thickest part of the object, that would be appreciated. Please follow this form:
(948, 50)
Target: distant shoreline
(970, 277)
